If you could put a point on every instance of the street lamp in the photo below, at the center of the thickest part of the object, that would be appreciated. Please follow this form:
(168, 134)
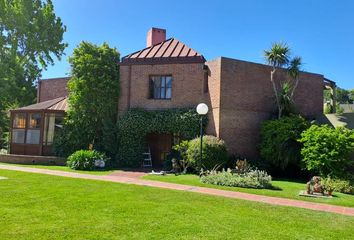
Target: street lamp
(202, 109)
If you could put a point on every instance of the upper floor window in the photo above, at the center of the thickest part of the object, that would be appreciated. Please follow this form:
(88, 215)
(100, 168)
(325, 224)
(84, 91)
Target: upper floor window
(160, 87)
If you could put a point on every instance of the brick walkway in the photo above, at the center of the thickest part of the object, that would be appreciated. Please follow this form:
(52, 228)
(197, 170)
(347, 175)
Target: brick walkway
(210, 191)
(129, 173)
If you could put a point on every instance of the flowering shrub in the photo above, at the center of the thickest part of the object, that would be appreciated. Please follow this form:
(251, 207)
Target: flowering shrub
(343, 186)
(251, 179)
(86, 160)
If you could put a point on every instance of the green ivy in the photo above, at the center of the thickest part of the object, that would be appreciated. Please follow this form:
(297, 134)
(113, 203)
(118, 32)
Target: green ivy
(135, 124)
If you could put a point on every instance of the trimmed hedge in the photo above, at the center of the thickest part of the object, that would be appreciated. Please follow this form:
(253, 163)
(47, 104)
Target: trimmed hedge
(135, 124)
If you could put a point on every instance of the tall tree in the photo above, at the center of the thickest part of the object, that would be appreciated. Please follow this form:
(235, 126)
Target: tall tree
(278, 57)
(93, 99)
(31, 35)
(343, 96)
(351, 95)
(294, 71)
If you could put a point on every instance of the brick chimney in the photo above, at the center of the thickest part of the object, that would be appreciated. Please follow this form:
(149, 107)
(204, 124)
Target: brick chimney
(155, 36)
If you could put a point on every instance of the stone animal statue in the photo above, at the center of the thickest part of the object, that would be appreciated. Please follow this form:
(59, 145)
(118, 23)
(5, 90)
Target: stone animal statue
(176, 168)
(314, 186)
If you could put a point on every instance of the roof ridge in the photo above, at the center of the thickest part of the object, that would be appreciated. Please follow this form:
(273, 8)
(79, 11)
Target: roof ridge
(55, 78)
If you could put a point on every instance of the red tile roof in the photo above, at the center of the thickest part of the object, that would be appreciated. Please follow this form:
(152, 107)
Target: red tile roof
(169, 51)
(58, 104)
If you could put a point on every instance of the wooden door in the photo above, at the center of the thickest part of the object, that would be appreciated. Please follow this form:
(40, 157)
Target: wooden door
(160, 145)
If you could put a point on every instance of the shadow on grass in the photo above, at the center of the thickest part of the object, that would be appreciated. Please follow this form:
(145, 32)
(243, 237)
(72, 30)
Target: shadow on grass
(275, 188)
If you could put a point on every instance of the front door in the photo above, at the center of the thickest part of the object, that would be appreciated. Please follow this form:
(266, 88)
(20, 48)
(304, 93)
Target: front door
(160, 145)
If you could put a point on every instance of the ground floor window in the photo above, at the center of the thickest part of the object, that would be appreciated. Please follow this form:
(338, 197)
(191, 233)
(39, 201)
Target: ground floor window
(19, 120)
(18, 136)
(33, 132)
(27, 127)
(19, 128)
(33, 136)
(52, 124)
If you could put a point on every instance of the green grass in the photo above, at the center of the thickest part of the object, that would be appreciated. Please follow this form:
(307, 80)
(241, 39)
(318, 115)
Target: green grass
(287, 189)
(36, 206)
(62, 168)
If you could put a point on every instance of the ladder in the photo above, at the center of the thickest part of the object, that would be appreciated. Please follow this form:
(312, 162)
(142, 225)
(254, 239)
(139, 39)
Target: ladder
(147, 162)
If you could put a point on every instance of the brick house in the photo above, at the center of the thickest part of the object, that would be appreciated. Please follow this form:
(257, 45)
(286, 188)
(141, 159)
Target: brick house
(169, 74)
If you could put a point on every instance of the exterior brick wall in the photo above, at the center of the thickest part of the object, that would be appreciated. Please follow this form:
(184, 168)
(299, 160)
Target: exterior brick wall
(247, 99)
(214, 76)
(52, 88)
(187, 86)
(240, 96)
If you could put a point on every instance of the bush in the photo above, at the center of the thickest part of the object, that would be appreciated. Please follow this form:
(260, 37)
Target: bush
(4, 140)
(250, 179)
(327, 109)
(214, 153)
(179, 154)
(85, 159)
(339, 109)
(343, 186)
(279, 145)
(327, 150)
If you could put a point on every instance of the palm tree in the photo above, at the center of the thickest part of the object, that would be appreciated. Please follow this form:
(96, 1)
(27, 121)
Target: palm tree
(294, 71)
(285, 100)
(277, 57)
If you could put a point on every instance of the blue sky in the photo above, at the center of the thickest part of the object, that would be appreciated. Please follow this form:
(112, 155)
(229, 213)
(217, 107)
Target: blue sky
(320, 31)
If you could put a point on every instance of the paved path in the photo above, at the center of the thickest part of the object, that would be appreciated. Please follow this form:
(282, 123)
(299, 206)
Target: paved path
(128, 174)
(210, 191)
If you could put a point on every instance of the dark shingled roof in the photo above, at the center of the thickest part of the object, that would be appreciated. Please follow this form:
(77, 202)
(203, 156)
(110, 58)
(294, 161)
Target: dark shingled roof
(58, 104)
(169, 51)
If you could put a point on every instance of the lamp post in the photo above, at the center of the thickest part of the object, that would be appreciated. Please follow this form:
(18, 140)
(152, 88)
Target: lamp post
(202, 109)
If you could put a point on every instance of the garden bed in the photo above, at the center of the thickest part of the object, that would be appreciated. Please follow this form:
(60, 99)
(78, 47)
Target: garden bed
(281, 188)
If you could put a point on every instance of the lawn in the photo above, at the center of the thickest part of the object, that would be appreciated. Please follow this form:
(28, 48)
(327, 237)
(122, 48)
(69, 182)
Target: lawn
(35, 206)
(62, 168)
(286, 189)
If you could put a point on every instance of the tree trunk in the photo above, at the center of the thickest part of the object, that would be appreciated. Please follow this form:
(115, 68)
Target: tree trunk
(275, 92)
(294, 88)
